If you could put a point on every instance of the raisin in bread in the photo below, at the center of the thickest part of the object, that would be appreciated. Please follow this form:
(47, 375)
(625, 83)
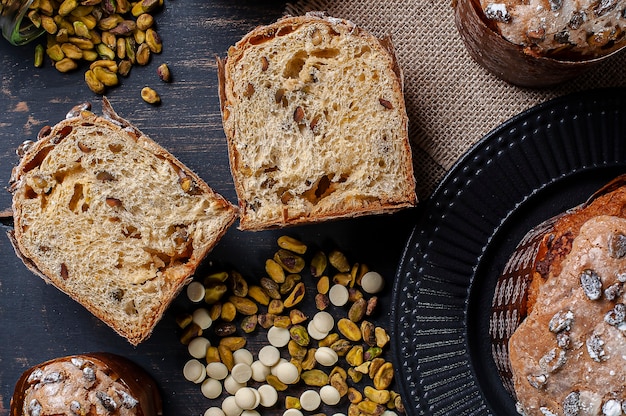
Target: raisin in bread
(314, 114)
(567, 354)
(112, 219)
(94, 384)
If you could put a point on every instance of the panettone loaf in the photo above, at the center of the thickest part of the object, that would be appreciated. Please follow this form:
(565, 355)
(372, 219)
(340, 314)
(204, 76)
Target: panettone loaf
(565, 29)
(567, 354)
(86, 384)
(540, 43)
(314, 114)
(112, 219)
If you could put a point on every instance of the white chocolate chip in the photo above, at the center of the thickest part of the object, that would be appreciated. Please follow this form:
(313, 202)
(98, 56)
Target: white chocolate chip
(278, 337)
(200, 378)
(250, 413)
(326, 356)
(194, 371)
(323, 321)
(211, 388)
(338, 295)
(314, 332)
(269, 355)
(195, 291)
(260, 371)
(269, 395)
(372, 282)
(231, 385)
(247, 398)
(214, 411)
(230, 407)
(241, 373)
(217, 370)
(330, 395)
(292, 412)
(202, 318)
(287, 372)
(274, 368)
(242, 355)
(197, 347)
(310, 400)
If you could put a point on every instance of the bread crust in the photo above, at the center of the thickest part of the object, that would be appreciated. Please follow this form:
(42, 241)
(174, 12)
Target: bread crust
(229, 100)
(174, 276)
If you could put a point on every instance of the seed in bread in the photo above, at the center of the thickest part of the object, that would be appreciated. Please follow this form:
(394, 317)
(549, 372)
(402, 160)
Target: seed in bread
(112, 219)
(314, 115)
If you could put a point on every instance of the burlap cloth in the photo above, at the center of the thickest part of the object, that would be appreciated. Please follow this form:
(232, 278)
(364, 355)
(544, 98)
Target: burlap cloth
(451, 101)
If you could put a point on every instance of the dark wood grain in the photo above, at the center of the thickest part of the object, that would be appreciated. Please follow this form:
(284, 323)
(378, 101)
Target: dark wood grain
(37, 322)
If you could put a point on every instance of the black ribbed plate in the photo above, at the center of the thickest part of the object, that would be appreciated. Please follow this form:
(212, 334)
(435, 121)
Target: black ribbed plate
(539, 163)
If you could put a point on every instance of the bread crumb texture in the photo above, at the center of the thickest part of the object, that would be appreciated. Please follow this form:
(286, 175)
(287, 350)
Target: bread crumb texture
(315, 117)
(114, 221)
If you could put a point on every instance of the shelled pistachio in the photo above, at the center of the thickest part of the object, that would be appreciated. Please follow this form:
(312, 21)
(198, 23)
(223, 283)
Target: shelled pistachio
(93, 30)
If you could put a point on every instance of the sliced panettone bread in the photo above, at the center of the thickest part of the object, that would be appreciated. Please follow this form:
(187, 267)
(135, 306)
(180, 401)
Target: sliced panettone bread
(314, 114)
(112, 219)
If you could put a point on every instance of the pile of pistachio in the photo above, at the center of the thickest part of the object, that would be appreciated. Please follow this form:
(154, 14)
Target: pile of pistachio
(110, 35)
(229, 309)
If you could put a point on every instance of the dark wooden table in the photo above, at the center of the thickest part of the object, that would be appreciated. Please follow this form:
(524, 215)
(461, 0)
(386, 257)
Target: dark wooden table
(37, 322)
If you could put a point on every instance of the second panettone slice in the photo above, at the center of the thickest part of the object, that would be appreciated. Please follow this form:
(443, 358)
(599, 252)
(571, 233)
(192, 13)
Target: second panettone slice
(112, 219)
